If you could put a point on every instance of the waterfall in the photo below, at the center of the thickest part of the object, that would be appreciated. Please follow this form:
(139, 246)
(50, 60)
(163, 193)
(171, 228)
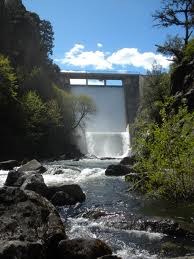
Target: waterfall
(106, 134)
(108, 144)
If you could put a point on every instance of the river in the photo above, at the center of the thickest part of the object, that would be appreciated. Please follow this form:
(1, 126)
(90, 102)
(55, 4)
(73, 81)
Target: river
(108, 207)
(109, 196)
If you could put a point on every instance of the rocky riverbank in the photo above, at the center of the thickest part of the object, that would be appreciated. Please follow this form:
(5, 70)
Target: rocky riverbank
(30, 220)
(30, 226)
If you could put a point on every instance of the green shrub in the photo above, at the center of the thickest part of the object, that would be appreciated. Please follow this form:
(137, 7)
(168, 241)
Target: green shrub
(155, 90)
(189, 50)
(8, 82)
(166, 153)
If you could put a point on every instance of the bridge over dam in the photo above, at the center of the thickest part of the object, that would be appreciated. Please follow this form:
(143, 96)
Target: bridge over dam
(117, 98)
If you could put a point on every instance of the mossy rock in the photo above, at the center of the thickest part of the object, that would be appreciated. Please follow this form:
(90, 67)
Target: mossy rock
(172, 249)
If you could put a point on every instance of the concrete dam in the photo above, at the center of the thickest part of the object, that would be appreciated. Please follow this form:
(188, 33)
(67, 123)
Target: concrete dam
(116, 97)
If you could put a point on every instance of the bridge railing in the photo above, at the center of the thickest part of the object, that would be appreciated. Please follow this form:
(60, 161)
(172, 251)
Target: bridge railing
(129, 72)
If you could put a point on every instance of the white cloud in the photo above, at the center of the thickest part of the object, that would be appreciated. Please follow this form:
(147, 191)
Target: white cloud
(99, 60)
(73, 71)
(79, 58)
(99, 45)
(132, 57)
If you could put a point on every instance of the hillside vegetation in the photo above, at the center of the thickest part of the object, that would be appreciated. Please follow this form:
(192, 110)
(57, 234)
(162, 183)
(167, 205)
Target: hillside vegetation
(38, 114)
(163, 131)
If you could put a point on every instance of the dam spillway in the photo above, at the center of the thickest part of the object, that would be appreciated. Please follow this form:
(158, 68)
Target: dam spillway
(110, 115)
(116, 97)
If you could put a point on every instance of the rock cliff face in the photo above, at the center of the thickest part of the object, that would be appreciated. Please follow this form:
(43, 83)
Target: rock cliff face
(182, 80)
(20, 37)
(14, 4)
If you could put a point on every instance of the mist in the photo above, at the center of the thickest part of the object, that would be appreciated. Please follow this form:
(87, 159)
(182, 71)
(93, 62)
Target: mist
(106, 134)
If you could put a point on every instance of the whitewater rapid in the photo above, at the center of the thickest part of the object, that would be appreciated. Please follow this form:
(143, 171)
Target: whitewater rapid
(107, 194)
(110, 197)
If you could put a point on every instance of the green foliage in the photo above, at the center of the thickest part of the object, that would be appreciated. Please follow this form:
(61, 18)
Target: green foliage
(40, 115)
(53, 112)
(35, 111)
(189, 50)
(47, 37)
(8, 93)
(182, 74)
(36, 118)
(156, 89)
(41, 119)
(166, 154)
(8, 81)
(163, 139)
(39, 81)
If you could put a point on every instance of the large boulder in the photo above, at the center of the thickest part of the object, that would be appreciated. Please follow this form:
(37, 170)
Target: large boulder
(32, 165)
(172, 250)
(27, 181)
(66, 194)
(30, 226)
(15, 178)
(83, 249)
(35, 182)
(118, 170)
(21, 250)
(61, 198)
(8, 165)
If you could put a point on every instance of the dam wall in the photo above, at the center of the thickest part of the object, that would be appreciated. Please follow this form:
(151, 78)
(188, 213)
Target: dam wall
(119, 100)
(110, 105)
(116, 96)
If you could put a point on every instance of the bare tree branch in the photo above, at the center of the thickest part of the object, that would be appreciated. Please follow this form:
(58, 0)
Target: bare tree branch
(178, 13)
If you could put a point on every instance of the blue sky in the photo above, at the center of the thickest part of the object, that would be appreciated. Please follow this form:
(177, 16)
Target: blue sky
(103, 34)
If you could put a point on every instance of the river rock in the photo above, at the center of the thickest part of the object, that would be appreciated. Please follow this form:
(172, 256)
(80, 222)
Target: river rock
(95, 214)
(21, 250)
(15, 178)
(71, 193)
(27, 181)
(62, 198)
(166, 226)
(35, 182)
(73, 154)
(32, 165)
(59, 172)
(30, 226)
(83, 249)
(8, 165)
(109, 257)
(117, 170)
(129, 160)
(170, 249)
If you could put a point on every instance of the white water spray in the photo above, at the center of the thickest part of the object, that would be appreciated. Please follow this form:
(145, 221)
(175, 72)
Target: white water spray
(108, 144)
(105, 131)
